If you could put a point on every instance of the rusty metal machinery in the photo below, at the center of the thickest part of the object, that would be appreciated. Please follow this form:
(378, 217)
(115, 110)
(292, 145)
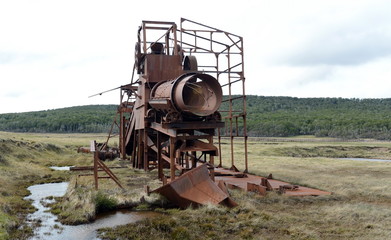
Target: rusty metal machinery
(171, 114)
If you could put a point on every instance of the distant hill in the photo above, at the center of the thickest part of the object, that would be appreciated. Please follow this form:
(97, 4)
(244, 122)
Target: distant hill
(80, 119)
(267, 116)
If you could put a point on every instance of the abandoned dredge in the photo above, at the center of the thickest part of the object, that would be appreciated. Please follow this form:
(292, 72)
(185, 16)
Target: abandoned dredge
(191, 87)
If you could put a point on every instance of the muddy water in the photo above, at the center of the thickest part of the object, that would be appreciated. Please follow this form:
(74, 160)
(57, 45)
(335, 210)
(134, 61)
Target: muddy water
(50, 229)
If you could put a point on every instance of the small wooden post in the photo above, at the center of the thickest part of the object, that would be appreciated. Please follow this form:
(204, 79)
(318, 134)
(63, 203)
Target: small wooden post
(96, 158)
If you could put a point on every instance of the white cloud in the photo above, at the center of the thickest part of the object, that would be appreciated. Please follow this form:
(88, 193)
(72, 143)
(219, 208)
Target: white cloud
(57, 53)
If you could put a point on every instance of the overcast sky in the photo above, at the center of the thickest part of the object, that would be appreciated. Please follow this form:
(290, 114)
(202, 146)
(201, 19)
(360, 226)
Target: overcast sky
(55, 54)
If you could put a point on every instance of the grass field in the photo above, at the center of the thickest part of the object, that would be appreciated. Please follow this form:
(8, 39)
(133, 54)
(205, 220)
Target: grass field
(358, 209)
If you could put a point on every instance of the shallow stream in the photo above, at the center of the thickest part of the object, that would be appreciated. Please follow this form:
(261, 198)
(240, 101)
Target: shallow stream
(51, 229)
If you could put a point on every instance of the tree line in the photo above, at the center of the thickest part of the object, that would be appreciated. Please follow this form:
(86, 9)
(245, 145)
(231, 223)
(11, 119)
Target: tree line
(80, 119)
(266, 117)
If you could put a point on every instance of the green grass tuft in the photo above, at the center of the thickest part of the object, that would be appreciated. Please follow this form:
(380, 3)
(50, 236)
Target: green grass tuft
(104, 203)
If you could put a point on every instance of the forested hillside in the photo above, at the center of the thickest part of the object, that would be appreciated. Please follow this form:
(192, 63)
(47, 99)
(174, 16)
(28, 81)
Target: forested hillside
(334, 117)
(81, 119)
(267, 116)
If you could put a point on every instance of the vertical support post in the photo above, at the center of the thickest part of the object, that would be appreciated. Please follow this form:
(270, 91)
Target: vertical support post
(230, 111)
(172, 158)
(134, 156)
(194, 159)
(139, 149)
(159, 156)
(122, 120)
(211, 160)
(145, 160)
(187, 165)
(244, 109)
(121, 135)
(175, 48)
(144, 39)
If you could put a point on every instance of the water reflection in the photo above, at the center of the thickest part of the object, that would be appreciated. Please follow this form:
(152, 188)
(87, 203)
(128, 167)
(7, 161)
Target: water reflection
(366, 159)
(66, 168)
(50, 229)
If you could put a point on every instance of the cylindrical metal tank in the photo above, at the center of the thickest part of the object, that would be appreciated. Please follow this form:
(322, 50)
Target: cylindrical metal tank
(191, 93)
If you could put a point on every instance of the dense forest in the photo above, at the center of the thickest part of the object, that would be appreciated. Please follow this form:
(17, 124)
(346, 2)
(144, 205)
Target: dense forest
(267, 116)
(80, 119)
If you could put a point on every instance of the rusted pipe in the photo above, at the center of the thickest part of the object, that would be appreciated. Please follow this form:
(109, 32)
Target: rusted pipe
(192, 93)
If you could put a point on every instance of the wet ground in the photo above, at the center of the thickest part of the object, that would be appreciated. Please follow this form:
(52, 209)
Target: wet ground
(50, 229)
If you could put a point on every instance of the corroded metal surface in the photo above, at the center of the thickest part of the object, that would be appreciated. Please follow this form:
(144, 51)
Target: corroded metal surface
(170, 116)
(253, 183)
(195, 94)
(195, 188)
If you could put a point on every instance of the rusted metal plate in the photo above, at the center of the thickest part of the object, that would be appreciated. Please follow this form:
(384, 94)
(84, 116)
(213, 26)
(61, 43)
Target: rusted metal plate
(193, 188)
(257, 183)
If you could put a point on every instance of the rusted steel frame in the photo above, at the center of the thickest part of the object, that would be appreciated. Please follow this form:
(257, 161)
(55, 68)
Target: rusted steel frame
(232, 98)
(144, 37)
(244, 113)
(207, 51)
(190, 125)
(110, 133)
(228, 70)
(191, 137)
(121, 131)
(157, 28)
(230, 113)
(133, 157)
(180, 35)
(232, 82)
(211, 40)
(109, 172)
(219, 147)
(158, 127)
(204, 38)
(201, 30)
(230, 47)
(158, 22)
(168, 160)
(219, 130)
(145, 28)
(235, 43)
(139, 149)
(204, 66)
(211, 161)
(145, 147)
(172, 158)
(175, 40)
(159, 156)
(217, 30)
(210, 71)
(195, 42)
(195, 47)
(87, 168)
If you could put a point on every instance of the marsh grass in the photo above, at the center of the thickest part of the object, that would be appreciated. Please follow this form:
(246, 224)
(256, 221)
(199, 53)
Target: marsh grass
(25, 161)
(358, 209)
